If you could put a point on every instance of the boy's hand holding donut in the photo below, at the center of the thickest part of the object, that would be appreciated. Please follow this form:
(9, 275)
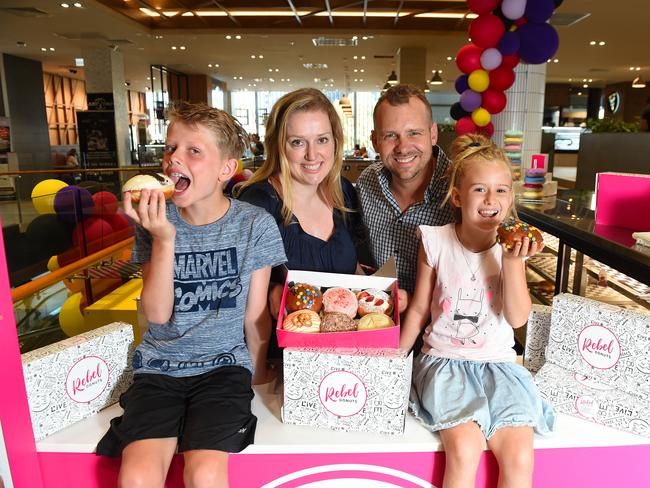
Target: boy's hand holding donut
(149, 196)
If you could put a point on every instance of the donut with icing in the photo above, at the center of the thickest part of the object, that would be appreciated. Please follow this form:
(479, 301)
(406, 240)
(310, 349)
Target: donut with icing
(374, 301)
(513, 231)
(341, 300)
(337, 322)
(302, 296)
(148, 181)
(305, 321)
(374, 321)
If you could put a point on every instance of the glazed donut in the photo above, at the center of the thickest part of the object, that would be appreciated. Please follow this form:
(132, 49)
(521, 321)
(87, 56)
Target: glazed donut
(148, 181)
(301, 296)
(337, 322)
(342, 300)
(304, 321)
(374, 321)
(374, 301)
(513, 231)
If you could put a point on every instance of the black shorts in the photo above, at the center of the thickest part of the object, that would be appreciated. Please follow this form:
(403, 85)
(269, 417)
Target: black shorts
(208, 411)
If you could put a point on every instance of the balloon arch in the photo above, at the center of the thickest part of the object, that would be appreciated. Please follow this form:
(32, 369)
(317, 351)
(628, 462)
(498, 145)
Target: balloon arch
(504, 33)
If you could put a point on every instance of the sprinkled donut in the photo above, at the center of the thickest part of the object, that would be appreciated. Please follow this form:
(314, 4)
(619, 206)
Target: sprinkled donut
(302, 296)
(512, 231)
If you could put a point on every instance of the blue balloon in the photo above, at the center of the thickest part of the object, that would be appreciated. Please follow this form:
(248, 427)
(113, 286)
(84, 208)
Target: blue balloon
(461, 84)
(509, 43)
(73, 204)
(539, 11)
(539, 42)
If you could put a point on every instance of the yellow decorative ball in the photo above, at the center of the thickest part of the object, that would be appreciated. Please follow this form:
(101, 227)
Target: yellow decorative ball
(481, 117)
(43, 195)
(71, 319)
(479, 80)
(240, 167)
(53, 264)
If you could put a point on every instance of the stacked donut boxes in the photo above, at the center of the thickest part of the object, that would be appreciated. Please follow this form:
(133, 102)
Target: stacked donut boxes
(596, 362)
(345, 381)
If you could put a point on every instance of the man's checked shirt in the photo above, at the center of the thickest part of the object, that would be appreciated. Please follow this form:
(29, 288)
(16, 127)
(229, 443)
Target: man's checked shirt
(393, 233)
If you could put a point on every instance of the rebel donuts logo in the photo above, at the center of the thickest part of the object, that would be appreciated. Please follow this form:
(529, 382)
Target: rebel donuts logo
(342, 393)
(599, 347)
(87, 379)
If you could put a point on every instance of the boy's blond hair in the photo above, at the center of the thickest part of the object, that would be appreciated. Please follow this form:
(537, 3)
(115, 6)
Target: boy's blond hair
(277, 164)
(231, 137)
(472, 148)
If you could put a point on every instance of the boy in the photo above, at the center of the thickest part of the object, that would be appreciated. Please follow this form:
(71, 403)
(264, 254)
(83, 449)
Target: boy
(206, 266)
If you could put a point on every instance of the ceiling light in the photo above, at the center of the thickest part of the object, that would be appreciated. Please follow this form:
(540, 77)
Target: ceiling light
(182, 48)
(65, 5)
(436, 79)
(638, 82)
(449, 58)
(187, 14)
(392, 78)
(228, 37)
(237, 36)
(360, 13)
(210, 13)
(149, 12)
(592, 43)
(355, 57)
(51, 49)
(43, 49)
(556, 60)
(77, 4)
(601, 43)
(173, 48)
(585, 86)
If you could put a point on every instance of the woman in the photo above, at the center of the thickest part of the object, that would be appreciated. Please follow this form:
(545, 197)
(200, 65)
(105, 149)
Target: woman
(300, 184)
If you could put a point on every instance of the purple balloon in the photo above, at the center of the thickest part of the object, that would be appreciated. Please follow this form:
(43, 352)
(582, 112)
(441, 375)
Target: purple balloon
(539, 42)
(470, 100)
(509, 43)
(72, 204)
(461, 84)
(539, 11)
(490, 59)
(513, 9)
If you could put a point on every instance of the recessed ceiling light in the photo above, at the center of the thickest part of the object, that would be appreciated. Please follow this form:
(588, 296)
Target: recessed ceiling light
(77, 4)
(253, 56)
(592, 43)
(579, 94)
(261, 56)
(52, 49)
(355, 57)
(229, 37)
(276, 70)
(364, 38)
(590, 80)
(173, 48)
(449, 58)
(182, 48)
(270, 70)
(556, 60)
(65, 5)
(601, 43)
(585, 86)
(43, 49)
(237, 37)
(355, 70)
(363, 57)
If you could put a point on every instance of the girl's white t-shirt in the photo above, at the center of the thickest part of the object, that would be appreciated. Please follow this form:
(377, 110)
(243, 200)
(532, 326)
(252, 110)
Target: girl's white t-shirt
(467, 320)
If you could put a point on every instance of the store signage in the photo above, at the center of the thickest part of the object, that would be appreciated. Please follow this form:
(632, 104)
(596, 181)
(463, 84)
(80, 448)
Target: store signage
(599, 346)
(342, 393)
(614, 101)
(100, 101)
(87, 379)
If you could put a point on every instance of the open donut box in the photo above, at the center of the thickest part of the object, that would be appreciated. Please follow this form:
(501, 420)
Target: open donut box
(384, 279)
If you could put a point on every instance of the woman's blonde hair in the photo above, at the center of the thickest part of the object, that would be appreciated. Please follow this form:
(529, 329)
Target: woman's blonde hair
(472, 148)
(277, 164)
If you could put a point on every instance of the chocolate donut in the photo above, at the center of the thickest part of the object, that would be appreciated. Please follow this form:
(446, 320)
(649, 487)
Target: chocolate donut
(148, 181)
(337, 322)
(512, 231)
(302, 296)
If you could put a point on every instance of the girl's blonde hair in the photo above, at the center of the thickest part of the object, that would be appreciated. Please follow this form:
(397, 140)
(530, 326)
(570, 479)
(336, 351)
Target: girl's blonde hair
(473, 148)
(277, 164)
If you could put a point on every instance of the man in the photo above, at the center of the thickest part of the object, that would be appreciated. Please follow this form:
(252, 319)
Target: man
(406, 188)
(257, 148)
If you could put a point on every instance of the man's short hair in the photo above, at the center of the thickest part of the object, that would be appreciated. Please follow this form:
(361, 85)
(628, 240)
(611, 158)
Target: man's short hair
(400, 94)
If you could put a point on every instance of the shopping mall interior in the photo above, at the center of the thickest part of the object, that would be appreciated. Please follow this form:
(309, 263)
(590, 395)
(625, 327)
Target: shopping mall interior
(83, 97)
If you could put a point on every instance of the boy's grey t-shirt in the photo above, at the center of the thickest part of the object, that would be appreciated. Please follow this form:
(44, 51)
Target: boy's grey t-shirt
(213, 265)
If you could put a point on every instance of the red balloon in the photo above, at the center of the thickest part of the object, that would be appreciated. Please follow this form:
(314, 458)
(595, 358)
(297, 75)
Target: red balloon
(501, 78)
(486, 30)
(465, 126)
(105, 202)
(486, 130)
(494, 101)
(482, 6)
(95, 230)
(510, 61)
(468, 58)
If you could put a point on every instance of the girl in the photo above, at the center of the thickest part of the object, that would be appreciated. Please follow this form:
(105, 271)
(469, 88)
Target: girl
(466, 385)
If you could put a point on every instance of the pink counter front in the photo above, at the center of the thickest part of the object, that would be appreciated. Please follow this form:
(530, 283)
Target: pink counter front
(579, 454)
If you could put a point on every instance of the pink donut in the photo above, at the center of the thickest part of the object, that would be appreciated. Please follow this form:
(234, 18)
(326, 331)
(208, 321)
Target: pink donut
(340, 300)
(512, 147)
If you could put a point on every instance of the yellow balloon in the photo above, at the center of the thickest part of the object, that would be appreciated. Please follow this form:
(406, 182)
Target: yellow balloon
(478, 80)
(240, 167)
(53, 263)
(481, 117)
(43, 195)
(71, 319)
